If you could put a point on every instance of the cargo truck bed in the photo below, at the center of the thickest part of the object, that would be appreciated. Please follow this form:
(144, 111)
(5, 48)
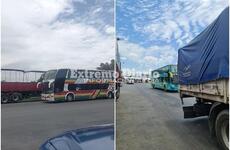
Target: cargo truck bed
(217, 90)
(19, 87)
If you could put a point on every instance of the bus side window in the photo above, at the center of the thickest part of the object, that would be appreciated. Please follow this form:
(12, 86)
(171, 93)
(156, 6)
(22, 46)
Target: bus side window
(160, 79)
(106, 86)
(167, 79)
(103, 86)
(89, 86)
(72, 87)
(86, 87)
(61, 73)
(100, 86)
(97, 86)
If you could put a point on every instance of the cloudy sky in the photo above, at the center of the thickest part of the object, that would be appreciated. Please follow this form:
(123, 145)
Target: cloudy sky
(48, 34)
(154, 30)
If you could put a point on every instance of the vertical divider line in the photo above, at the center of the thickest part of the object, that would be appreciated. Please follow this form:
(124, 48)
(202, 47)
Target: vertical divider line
(115, 71)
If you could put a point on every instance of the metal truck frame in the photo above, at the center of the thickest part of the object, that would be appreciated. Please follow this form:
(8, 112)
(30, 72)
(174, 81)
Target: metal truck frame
(212, 100)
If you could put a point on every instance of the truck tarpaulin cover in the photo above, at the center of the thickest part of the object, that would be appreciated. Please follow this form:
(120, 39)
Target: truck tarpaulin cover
(206, 57)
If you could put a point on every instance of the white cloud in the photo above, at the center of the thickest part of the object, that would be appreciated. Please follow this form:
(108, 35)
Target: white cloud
(150, 59)
(158, 29)
(97, 10)
(33, 38)
(167, 21)
(145, 59)
(109, 30)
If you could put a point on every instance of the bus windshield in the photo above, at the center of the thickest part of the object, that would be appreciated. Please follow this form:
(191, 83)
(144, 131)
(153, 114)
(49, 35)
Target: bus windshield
(173, 69)
(50, 74)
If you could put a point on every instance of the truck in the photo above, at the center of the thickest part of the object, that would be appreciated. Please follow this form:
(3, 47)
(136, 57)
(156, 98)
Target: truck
(17, 85)
(203, 70)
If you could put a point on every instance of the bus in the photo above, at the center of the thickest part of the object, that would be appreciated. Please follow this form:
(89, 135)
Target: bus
(165, 78)
(70, 85)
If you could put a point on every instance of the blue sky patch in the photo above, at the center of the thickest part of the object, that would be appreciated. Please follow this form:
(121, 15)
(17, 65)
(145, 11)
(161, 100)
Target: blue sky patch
(153, 31)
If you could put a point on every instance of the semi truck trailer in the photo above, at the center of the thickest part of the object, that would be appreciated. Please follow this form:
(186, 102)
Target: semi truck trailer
(203, 69)
(17, 85)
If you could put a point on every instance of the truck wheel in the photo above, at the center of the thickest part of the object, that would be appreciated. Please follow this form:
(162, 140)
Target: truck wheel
(4, 98)
(69, 97)
(222, 129)
(16, 97)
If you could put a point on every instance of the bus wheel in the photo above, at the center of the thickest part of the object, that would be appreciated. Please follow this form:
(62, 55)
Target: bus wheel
(16, 97)
(110, 95)
(222, 129)
(69, 97)
(4, 98)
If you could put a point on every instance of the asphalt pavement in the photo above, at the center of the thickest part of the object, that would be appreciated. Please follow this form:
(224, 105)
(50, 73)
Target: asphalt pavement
(25, 126)
(151, 119)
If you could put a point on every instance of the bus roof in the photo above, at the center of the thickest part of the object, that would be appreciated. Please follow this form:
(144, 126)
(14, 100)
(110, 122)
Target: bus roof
(164, 67)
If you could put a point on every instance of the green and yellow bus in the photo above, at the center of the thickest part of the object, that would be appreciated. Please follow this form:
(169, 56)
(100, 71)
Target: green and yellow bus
(165, 78)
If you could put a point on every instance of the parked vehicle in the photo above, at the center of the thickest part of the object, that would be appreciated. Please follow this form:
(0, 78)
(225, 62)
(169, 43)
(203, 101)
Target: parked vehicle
(129, 80)
(19, 84)
(69, 84)
(165, 78)
(92, 138)
(203, 67)
(138, 80)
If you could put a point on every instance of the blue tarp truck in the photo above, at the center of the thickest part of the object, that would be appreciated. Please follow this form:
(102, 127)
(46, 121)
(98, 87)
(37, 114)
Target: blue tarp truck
(203, 70)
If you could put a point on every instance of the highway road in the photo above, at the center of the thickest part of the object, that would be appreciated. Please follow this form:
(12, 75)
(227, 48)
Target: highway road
(151, 119)
(25, 126)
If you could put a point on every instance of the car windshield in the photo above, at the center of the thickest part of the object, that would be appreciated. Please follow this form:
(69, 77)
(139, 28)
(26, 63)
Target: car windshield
(50, 74)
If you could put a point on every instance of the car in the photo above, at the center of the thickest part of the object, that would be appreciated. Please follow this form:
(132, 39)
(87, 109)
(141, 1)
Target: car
(130, 81)
(100, 137)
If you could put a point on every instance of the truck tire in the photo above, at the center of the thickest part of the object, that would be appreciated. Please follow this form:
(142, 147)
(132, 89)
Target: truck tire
(16, 97)
(222, 129)
(4, 98)
(69, 97)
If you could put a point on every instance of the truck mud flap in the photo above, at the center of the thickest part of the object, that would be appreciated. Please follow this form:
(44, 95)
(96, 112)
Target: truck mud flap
(188, 112)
